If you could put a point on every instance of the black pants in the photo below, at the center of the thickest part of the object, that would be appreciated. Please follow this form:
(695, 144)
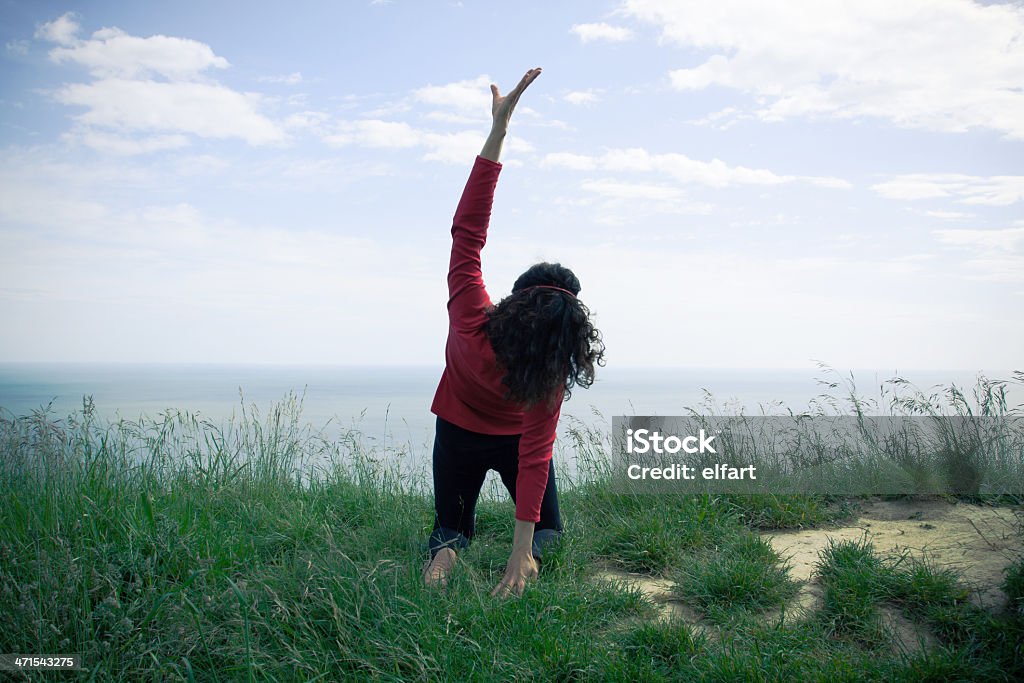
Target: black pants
(461, 461)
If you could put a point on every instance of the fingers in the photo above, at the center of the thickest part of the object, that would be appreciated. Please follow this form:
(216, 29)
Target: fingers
(532, 74)
(505, 589)
(501, 589)
(526, 80)
(529, 77)
(509, 586)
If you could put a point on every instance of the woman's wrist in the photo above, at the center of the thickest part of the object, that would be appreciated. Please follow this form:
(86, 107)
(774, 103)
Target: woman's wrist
(522, 540)
(492, 146)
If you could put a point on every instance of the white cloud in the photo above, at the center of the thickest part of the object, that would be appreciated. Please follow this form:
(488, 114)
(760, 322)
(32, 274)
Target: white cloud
(63, 30)
(307, 120)
(206, 110)
(241, 267)
(946, 65)
(996, 255)
(949, 215)
(620, 203)
(374, 133)
(449, 117)
(1006, 240)
(472, 96)
(389, 109)
(465, 103)
(55, 169)
(966, 189)
(827, 181)
(168, 280)
(581, 97)
(616, 203)
(29, 202)
(715, 173)
(619, 190)
(722, 119)
(18, 47)
(906, 265)
(155, 85)
(120, 145)
(601, 31)
(458, 148)
(454, 148)
(575, 162)
(113, 53)
(293, 78)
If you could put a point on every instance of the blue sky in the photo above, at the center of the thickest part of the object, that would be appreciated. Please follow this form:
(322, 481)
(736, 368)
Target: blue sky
(737, 184)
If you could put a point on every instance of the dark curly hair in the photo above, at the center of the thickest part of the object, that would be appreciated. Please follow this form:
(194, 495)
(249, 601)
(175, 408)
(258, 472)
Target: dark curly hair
(543, 338)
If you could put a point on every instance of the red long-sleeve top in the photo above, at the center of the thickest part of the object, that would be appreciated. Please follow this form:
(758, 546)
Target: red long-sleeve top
(470, 393)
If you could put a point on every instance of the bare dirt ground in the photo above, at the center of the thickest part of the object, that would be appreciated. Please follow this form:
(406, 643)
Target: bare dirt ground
(977, 542)
(660, 593)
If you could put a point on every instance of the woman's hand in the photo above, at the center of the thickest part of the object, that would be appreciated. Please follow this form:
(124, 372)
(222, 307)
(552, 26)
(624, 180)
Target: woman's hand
(521, 565)
(502, 106)
(501, 111)
(520, 569)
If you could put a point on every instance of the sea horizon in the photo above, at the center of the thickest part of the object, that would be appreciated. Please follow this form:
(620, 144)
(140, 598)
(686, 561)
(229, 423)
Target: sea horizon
(378, 399)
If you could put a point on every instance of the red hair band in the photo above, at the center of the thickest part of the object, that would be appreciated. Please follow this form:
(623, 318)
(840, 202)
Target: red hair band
(560, 289)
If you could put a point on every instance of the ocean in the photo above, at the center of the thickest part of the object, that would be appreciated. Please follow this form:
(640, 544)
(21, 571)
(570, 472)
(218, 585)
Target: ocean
(393, 403)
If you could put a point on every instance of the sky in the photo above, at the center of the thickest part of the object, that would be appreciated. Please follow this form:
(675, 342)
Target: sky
(737, 184)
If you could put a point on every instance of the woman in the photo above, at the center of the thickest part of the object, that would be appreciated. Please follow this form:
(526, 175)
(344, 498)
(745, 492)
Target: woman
(508, 368)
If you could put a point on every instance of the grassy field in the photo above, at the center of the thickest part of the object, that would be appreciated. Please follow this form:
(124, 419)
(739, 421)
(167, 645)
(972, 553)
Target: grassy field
(174, 549)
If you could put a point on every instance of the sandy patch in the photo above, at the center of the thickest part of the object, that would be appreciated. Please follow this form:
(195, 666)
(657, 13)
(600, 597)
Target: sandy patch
(977, 542)
(906, 635)
(658, 591)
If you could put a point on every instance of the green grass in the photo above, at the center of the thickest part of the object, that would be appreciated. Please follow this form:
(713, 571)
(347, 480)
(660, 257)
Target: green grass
(175, 549)
(974, 644)
(647, 533)
(742, 574)
(770, 511)
(855, 580)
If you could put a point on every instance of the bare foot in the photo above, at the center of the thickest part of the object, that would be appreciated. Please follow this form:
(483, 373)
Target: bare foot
(437, 571)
